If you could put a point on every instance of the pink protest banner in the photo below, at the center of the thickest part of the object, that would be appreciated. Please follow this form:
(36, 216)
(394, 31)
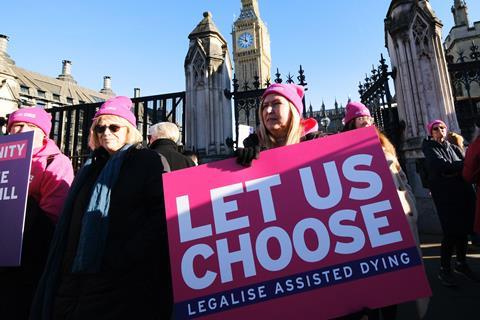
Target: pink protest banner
(313, 230)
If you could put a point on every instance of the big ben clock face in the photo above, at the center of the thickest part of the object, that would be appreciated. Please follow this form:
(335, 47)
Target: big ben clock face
(245, 40)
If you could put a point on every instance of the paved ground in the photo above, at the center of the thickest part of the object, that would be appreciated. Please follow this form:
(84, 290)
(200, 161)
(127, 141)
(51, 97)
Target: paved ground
(462, 302)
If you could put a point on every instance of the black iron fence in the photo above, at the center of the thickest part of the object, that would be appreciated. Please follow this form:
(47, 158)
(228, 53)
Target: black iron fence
(465, 80)
(71, 124)
(375, 94)
(247, 98)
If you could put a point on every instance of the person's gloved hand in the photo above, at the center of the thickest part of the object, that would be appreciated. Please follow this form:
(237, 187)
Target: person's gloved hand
(315, 135)
(246, 155)
(250, 151)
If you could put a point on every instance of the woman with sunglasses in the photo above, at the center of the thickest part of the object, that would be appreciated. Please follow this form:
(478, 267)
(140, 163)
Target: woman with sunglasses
(454, 199)
(51, 174)
(109, 256)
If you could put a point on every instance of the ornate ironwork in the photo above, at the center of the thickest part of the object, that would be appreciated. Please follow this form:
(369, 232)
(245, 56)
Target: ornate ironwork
(71, 124)
(465, 80)
(375, 94)
(247, 101)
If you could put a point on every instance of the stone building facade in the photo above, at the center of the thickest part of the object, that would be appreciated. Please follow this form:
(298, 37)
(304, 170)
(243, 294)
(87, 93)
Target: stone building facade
(459, 43)
(19, 86)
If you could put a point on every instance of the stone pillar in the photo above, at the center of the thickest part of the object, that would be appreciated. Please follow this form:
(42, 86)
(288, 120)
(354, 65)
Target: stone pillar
(208, 72)
(422, 85)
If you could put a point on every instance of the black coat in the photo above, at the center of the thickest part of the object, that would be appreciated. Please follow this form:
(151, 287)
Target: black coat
(168, 149)
(454, 198)
(134, 281)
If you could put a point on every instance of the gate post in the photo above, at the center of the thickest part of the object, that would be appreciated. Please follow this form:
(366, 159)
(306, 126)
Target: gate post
(422, 86)
(208, 112)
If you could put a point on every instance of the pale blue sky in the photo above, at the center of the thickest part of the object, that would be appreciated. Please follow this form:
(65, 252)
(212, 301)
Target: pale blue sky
(143, 43)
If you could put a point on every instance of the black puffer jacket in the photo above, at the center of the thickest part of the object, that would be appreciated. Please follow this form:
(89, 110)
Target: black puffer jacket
(454, 198)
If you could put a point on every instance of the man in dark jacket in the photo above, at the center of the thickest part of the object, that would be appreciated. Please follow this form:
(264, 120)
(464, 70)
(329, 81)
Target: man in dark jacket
(163, 140)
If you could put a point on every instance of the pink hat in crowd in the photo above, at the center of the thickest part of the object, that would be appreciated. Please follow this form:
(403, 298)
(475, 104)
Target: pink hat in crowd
(432, 123)
(354, 110)
(35, 115)
(291, 92)
(118, 106)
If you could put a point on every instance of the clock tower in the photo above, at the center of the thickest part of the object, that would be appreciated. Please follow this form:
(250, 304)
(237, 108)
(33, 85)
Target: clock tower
(251, 46)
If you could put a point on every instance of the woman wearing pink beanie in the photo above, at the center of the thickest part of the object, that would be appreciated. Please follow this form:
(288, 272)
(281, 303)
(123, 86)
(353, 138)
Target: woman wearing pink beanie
(51, 174)
(454, 200)
(109, 257)
(358, 116)
(281, 122)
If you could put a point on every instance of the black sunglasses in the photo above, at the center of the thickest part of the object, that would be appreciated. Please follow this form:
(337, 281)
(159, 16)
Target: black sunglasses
(438, 128)
(102, 129)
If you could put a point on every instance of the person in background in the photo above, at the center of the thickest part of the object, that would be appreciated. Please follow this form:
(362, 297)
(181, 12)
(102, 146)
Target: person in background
(51, 174)
(3, 122)
(192, 155)
(109, 256)
(358, 116)
(454, 199)
(471, 173)
(163, 140)
(456, 139)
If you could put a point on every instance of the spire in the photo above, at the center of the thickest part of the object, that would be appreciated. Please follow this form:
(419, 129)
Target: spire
(460, 13)
(246, 4)
(250, 10)
(205, 27)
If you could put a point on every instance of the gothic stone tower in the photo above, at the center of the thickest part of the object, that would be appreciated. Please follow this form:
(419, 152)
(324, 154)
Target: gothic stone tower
(414, 42)
(251, 45)
(208, 113)
(422, 85)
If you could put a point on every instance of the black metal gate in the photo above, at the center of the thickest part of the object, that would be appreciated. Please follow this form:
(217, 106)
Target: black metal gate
(71, 124)
(375, 94)
(247, 100)
(465, 81)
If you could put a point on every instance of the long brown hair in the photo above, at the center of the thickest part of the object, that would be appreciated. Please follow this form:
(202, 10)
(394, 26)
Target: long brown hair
(294, 134)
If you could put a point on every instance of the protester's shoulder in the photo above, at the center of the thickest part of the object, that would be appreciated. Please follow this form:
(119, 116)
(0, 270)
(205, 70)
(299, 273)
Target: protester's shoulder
(59, 161)
(428, 143)
(143, 155)
(474, 147)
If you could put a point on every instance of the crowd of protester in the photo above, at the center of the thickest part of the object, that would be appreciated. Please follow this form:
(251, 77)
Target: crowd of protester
(108, 256)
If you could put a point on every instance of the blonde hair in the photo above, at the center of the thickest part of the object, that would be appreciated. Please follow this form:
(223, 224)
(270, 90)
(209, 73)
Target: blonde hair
(388, 147)
(456, 139)
(133, 135)
(294, 134)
